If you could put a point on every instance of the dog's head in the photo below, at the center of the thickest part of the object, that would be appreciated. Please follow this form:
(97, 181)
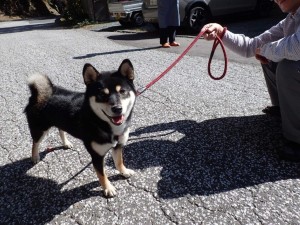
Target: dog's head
(111, 95)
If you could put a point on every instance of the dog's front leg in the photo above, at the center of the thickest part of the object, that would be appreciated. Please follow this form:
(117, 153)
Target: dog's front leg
(108, 189)
(117, 155)
(98, 153)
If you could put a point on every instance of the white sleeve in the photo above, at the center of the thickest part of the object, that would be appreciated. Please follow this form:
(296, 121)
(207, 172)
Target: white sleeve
(246, 46)
(285, 48)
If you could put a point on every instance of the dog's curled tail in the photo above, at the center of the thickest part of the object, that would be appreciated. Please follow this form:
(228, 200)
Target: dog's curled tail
(41, 89)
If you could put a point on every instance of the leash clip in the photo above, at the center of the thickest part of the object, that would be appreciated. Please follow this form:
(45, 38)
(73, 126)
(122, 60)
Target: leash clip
(140, 91)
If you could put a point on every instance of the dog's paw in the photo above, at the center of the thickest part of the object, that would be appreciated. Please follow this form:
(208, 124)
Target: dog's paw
(35, 159)
(127, 173)
(68, 145)
(109, 191)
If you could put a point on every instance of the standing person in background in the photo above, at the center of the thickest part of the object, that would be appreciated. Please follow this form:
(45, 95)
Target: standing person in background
(169, 21)
(278, 50)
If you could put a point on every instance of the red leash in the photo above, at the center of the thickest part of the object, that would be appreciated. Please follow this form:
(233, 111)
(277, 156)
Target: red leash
(217, 42)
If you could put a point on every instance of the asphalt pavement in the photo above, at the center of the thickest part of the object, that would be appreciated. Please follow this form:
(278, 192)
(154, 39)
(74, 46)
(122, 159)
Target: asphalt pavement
(202, 150)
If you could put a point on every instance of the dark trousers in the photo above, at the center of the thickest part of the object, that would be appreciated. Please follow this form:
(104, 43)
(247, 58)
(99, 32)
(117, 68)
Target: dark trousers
(166, 34)
(283, 82)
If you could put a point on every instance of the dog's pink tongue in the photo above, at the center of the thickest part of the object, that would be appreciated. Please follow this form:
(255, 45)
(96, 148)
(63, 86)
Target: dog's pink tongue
(118, 119)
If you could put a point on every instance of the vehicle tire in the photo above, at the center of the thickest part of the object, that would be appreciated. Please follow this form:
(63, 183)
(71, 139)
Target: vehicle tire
(137, 19)
(263, 8)
(197, 17)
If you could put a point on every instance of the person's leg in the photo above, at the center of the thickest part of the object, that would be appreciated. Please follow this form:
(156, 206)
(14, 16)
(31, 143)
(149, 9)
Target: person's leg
(288, 86)
(269, 71)
(172, 36)
(163, 36)
(162, 14)
(171, 33)
(288, 83)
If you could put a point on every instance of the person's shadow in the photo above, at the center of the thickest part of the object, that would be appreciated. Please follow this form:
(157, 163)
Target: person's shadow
(32, 200)
(212, 156)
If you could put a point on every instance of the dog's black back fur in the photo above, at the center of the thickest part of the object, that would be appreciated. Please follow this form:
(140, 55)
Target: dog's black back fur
(62, 109)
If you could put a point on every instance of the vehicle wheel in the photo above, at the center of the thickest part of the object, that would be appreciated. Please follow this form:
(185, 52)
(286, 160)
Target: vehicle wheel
(198, 16)
(137, 19)
(263, 8)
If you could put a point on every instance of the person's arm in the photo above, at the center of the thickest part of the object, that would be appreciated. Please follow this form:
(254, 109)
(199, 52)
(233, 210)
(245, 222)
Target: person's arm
(285, 48)
(241, 44)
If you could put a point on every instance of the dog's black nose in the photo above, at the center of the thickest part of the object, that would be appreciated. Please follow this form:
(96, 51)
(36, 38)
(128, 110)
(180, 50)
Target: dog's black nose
(116, 109)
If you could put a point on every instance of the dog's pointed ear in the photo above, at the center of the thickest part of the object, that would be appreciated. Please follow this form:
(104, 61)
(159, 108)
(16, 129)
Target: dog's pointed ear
(90, 74)
(126, 69)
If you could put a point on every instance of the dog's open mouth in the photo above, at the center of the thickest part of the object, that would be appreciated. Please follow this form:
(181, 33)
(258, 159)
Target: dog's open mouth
(117, 120)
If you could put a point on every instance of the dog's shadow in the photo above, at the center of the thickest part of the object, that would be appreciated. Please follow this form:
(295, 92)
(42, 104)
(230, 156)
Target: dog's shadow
(213, 156)
(209, 157)
(34, 200)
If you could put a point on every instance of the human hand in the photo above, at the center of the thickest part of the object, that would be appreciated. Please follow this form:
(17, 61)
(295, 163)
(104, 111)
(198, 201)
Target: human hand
(212, 30)
(262, 59)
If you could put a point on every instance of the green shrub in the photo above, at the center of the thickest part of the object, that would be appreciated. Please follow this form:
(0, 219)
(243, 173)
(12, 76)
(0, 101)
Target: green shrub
(24, 8)
(74, 11)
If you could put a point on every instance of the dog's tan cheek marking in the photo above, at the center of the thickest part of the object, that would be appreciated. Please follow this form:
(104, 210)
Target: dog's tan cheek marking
(118, 88)
(128, 103)
(97, 108)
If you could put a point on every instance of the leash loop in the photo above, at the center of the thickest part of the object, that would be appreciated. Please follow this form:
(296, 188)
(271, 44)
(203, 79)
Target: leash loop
(217, 41)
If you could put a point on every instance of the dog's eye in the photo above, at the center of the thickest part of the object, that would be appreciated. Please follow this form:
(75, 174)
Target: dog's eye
(103, 92)
(122, 91)
(101, 95)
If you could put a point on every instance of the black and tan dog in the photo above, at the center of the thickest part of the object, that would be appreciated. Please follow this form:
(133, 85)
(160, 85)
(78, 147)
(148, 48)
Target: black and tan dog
(100, 117)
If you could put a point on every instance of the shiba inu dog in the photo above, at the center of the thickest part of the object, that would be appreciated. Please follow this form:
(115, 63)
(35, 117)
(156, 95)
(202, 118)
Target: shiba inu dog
(100, 117)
